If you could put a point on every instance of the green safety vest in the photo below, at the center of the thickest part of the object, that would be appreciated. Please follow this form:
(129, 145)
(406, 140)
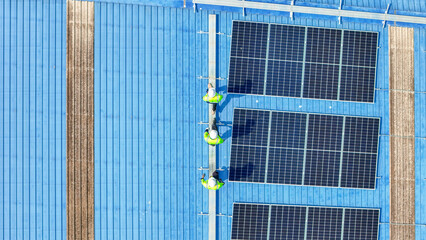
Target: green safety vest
(216, 187)
(217, 97)
(210, 141)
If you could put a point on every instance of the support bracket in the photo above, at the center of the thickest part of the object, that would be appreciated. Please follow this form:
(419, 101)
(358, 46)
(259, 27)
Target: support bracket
(386, 14)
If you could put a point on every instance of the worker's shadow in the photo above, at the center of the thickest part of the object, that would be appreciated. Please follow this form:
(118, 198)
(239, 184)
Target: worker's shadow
(239, 130)
(243, 173)
(224, 174)
(228, 98)
(227, 134)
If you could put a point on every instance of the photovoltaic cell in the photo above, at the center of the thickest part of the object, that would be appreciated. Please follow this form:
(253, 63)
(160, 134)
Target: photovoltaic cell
(323, 45)
(284, 78)
(287, 222)
(358, 170)
(249, 39)
(252, 221)
(247, 164)
(357, 84)
(361, 224)
(303, 62)
(359, 48)
(288, 130)
(361, 134)
(250, 127)
(322, 168)
(325, 223)
(325, 132)
(304, 149)
(321, 81)
(247, 75)
(285, 166)
(286, 42)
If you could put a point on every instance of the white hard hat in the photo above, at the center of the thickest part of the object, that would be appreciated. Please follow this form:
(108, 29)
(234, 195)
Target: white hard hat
(212, 92)
(213, 134)
(212, 182)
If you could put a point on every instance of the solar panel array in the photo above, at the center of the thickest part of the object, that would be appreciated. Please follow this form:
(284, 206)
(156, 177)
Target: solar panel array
(303, 62)
(304, 149)
(264, 221)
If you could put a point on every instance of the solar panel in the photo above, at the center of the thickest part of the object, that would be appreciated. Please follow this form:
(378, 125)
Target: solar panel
(284, 78)
(302, 62)
(324, 223)
(288, 124)
(356, 84)
(285, 166)
(250, 127)
(321, 81)
(248, 164)
(287, 222)
(248, 76)
(325, 132)
(361, 224)
(286, 42)
(276, 222)
(249, 39)
(322, 168)
(359, 48)
(323, 45)
(303, 149)
(250, 221)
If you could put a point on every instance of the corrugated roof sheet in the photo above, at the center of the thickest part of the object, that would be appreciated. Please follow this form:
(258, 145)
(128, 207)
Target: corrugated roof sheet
(32, 120)
(148, 143)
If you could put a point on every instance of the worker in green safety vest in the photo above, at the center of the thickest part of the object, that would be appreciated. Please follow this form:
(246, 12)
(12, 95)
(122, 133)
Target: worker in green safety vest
(213, 183)
(212, 96)
(211, 136)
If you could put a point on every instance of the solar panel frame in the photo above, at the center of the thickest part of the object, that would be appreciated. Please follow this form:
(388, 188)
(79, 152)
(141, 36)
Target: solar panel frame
(309, 114)
(375, 212)
(338, 99)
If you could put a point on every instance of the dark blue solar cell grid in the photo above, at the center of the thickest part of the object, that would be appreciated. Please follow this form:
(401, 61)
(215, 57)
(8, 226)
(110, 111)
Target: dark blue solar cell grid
(359, 48)
(321, 81)
(286, 70)
(284, 78)
(288, 130)
(250, 127)
(286, 149)
(287, 222)
(286, 42)
(249, 39)
(323, 45)
(358, 170)
(361, 224)
(357, 84)
(325, 132)
(250, 221)
(324, 223)
(285, 166)
(361, 134)
(247, 164)
(322, 168)
(246, 75)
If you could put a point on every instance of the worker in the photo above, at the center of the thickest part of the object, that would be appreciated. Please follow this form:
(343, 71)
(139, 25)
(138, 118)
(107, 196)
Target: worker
(213, 183)
(211, 136)
(212, 96)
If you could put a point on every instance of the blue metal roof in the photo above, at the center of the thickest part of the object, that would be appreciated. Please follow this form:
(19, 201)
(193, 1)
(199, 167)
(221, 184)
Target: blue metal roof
(32, 120)
(148, 143)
